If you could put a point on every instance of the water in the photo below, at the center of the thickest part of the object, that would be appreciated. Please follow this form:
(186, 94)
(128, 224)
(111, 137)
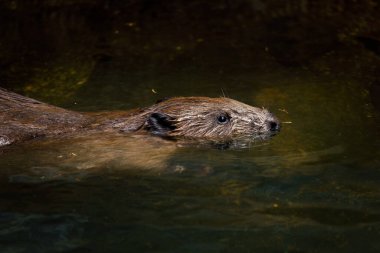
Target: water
(312, 188)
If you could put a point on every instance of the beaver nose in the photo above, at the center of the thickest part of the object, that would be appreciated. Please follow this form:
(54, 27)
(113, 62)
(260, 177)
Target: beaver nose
(274, 125)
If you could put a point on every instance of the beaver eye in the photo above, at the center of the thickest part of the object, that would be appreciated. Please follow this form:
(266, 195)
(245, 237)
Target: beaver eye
(223, 119)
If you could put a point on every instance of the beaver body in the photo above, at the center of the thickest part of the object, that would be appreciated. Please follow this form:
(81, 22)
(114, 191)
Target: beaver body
(219, 119)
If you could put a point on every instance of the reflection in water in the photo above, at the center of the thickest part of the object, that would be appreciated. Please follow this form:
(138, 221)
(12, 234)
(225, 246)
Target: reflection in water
(185, 190)
(314, 187)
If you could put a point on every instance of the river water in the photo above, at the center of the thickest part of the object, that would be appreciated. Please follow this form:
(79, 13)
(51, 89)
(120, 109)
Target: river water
(312, 188)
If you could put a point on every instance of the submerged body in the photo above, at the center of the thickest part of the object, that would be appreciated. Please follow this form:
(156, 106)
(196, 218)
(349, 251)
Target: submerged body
(200, 118)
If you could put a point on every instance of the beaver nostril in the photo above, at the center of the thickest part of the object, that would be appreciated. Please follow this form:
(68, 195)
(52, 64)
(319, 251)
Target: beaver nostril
(274, 126)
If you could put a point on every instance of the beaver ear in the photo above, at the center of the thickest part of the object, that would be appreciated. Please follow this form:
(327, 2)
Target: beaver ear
(160, 124)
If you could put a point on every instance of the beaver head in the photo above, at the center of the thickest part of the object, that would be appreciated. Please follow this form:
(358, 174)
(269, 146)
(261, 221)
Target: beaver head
(209, 118)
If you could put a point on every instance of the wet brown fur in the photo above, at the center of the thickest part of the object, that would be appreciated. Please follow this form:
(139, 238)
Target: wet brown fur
(24, 118)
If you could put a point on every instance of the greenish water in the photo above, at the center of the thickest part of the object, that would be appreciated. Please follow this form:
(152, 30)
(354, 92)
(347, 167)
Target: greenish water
(312, 188)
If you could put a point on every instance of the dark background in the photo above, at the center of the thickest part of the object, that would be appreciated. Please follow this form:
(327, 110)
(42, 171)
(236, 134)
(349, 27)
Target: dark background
(61, 50)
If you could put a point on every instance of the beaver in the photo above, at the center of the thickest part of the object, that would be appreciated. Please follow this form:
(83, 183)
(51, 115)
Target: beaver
(201, 118)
